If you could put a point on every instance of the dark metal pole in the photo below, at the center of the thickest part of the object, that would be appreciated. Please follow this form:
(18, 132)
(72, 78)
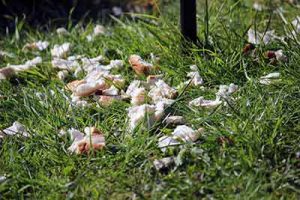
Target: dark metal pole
(188, 20)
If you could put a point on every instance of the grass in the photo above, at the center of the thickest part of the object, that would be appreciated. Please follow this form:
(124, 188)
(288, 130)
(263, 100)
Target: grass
(257, 160)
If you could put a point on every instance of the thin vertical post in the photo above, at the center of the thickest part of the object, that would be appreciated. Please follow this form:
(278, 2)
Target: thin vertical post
(188, 20)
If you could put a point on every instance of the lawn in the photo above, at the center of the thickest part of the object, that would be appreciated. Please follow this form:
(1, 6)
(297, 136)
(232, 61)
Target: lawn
(249, 148)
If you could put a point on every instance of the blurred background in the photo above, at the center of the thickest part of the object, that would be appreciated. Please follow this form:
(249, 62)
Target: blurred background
(39, 13)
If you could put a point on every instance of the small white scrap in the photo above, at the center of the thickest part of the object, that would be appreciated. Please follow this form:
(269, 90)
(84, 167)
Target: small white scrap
(6, 54)
(2, 179)
(161, 91)
(84, 143)
(75, 134)
(255, 37)
(112, 91)
(77, 102)
(62, 132)
(154, 58)
(81, 104)
(201, 102)
(39, 45)
(163, 163)
(60, 51)
(196, 79)
(140, 66)
(116, 80)
(181, 134)
(270, 78)
(89, 61)
(75, 57)
(37, 60)
(152, 79)
(1, 135)
(280, 55)
(16, 129)
(62, 31)
(226, 90)
(63, 64)
(166, 90)
(116, 64)
(296, 24)
(28, 64)
(153, 113)
(257, 6)
(174, 120)
(89, 88)
(138, 96)
(160, 109)
(167, 141)
(187, 134)
(62, 75)
(95, 75)
(132, 87)
(89, 38)
(117, 11)
(98, 30)
(137, 114)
